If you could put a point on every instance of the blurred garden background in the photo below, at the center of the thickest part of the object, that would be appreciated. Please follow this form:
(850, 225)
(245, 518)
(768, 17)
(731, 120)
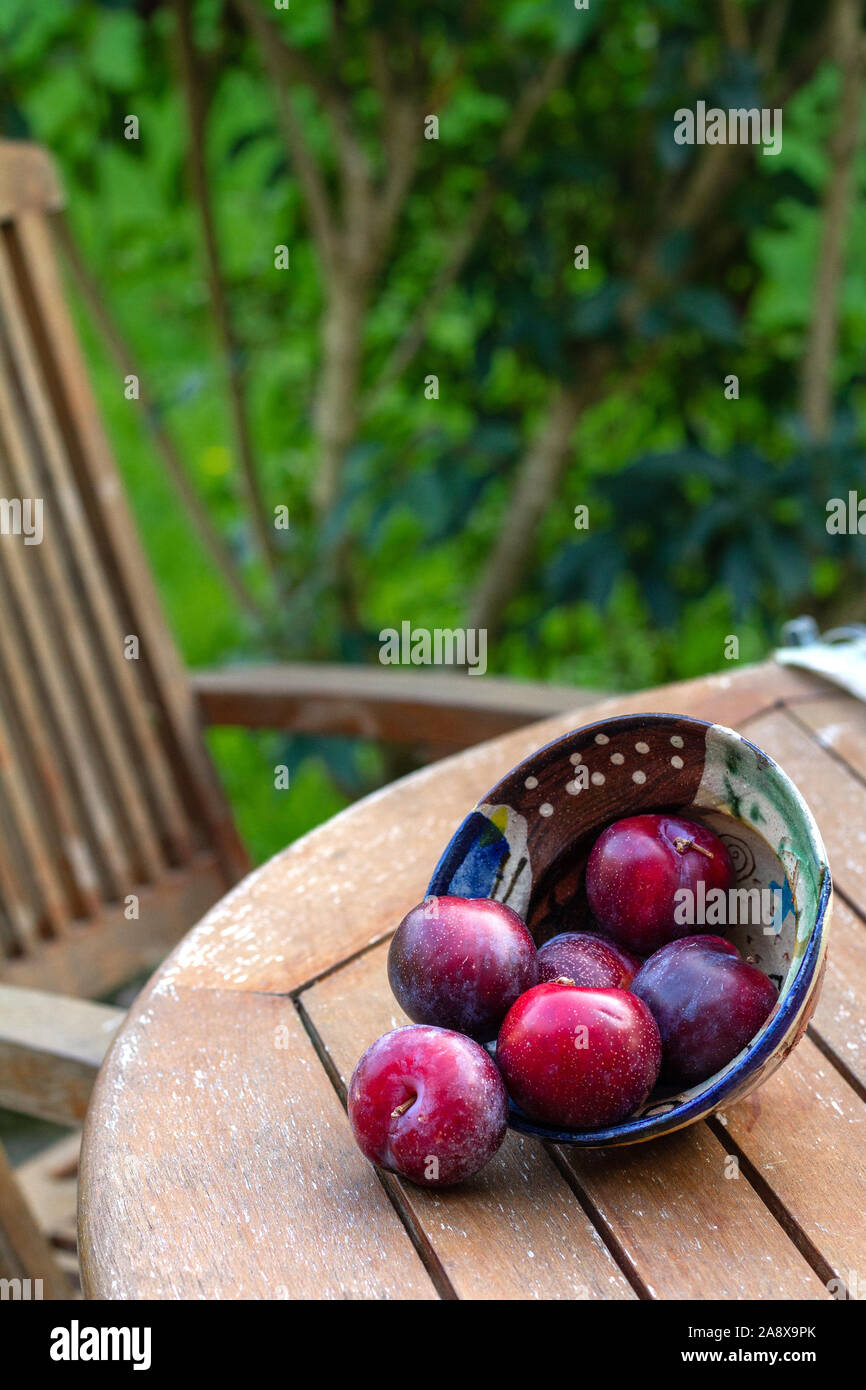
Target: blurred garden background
(381, 322)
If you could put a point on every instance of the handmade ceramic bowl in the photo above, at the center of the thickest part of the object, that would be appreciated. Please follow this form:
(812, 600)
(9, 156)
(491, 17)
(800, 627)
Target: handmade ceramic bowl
(528, 841)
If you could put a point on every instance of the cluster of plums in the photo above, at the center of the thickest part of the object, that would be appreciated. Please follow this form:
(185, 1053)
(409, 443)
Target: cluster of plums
(584, 1026)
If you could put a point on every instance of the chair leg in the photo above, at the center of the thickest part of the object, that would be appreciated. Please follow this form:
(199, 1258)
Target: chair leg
(24, 1252)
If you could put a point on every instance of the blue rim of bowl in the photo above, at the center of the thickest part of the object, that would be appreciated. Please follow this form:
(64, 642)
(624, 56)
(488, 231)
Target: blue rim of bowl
(647, 1126)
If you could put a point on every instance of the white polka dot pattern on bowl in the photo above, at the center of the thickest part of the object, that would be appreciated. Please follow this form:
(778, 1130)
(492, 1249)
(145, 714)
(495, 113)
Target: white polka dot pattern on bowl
(583, 779)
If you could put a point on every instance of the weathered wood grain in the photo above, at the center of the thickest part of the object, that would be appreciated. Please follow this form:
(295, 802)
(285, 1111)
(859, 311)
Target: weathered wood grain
(218, 1162)
(49, 1184)
(711, 1225)
(688, 1230)
(668, 1210)
(101, 496)
(69, 623)
(93, 957)
(835, 795)
(839, 723)
(50, 1051)
(805, 1133)
(377, 702)
(107, 789)
(840, 1018)
(24, 1251)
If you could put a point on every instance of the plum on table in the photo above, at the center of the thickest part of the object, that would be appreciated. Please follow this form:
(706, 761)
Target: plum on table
(429, 1104)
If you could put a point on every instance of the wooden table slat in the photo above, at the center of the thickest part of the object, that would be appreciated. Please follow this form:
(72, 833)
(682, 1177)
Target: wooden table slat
(805, 1133)
(836, 797)
(839, 723)
(688, 1229)
(840, 1018)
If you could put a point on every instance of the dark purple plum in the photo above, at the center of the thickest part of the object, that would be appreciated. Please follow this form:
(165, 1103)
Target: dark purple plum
(707, 1001)
(578, 1058)
(590, 960)
(461, 963)
(636, 868)
(428, 1104)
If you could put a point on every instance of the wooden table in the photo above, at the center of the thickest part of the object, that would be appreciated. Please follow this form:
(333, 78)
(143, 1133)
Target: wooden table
(218, 1159)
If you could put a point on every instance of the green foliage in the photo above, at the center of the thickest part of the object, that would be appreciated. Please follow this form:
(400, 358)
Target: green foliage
(707, 515)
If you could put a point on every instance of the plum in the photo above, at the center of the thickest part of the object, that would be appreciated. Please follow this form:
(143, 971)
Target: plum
(707, 1001)
(461, 963)
(638, 866)
(429, 1104)
(578, 1058)
(588, 959)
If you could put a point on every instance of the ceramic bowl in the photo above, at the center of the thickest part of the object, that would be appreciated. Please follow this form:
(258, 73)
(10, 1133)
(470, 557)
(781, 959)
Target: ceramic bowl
(527, 842)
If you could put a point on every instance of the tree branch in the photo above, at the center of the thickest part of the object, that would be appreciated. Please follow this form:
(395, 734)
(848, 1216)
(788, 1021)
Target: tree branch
(823, 336)
(196, 108)
(402, 141)
(211, 540)
(319, 210)
(771, 31)
(290, 65)
(536, 482)
(734, 25)
(542, 468)
(531, 101)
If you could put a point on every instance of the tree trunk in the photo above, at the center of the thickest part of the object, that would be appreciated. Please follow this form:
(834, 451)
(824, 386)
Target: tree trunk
(537, 481)
(337, 404)
(823, 337)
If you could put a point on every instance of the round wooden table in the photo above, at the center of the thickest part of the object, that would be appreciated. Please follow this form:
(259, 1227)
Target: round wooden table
(218, 1160)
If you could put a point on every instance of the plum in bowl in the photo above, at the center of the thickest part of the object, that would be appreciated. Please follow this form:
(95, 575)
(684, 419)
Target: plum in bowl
(527, 843)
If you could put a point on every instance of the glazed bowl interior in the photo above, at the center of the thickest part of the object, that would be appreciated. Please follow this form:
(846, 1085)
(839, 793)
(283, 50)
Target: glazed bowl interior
(528, 841)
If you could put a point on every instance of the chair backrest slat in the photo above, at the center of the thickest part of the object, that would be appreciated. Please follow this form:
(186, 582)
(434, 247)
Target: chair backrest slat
(62, 587)
(126, 730)
(107, 794)
(119, 548)
(49, 775)
(37, 851)
(41, 631)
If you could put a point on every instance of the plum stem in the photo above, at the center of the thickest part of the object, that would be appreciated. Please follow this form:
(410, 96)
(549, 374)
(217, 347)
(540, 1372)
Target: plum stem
(563, 980)
(401, 1109)
(681, 845)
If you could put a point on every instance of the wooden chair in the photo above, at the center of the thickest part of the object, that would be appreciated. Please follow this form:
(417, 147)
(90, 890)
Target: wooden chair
(115, 835)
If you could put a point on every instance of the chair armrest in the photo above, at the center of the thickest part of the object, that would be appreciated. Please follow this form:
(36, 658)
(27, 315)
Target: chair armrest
(454, 711)
(51, 1048)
